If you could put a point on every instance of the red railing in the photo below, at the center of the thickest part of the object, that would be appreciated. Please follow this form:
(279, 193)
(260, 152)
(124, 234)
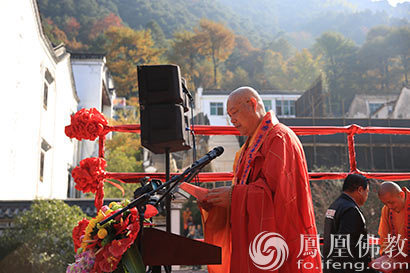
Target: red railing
(350, 131)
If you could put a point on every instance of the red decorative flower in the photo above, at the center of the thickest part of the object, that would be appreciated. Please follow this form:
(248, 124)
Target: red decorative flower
(79, 231)
(118, 247)
(86, 124)
(89, 174)
(150, 211)
(105, 262)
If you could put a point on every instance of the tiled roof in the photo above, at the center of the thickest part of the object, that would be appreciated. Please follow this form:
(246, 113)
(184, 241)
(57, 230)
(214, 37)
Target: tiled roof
(261, 92)
(10, 209)
(86, 56)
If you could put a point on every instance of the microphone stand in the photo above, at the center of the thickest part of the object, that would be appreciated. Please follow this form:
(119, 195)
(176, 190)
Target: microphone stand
(191, 176)
(141, 201)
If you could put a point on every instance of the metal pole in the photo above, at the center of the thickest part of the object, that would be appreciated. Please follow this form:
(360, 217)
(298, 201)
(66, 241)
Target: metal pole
(167, 199)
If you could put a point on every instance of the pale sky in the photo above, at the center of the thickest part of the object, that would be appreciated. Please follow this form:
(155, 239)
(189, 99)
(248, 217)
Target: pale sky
(394, 2)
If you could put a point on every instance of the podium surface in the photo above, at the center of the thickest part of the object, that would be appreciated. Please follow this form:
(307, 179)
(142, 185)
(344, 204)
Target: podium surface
(163, 248)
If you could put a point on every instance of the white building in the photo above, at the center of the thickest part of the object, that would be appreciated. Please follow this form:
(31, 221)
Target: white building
(95, 88)
(381, 106)
(38, 98)
(213, 103)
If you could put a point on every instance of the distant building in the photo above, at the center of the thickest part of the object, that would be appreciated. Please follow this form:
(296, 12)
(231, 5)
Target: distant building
(39, 96)
(313, 101)
(120, 105)
(212, 103)
(95, 88)
(381, 106)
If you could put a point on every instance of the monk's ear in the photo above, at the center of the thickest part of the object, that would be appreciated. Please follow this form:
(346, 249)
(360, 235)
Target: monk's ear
(254, 103)
(402, 195)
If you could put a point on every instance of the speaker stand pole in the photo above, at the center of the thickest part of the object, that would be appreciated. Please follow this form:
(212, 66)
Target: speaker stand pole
(167, 199)
(157, 269)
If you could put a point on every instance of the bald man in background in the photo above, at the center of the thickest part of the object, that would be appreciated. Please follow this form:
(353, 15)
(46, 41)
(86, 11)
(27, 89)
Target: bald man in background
(394, 225)
(270, 194)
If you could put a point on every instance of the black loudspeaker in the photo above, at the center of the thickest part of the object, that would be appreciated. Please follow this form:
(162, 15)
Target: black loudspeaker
(160, 84)
(162, 109)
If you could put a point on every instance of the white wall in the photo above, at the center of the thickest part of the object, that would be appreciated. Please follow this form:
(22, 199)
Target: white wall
(204, 105)
(402, 107)
(206, 109)
(26, 56)
(88, 82)
(65, 155)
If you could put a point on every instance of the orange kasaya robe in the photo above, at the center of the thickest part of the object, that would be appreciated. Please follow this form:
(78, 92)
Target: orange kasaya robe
(271, 193)
(396, 224)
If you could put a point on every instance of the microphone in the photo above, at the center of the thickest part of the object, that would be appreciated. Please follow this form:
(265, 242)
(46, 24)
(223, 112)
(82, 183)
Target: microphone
(211, 155)
(147, 187)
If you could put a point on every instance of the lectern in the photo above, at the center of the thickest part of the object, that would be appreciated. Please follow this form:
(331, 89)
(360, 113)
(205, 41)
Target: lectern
(164, 248)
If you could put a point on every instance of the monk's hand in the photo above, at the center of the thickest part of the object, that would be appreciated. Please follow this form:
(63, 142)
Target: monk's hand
(219, 197)
(204, 205)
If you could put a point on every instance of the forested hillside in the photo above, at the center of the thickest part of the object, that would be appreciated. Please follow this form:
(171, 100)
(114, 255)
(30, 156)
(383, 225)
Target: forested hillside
(357, 46)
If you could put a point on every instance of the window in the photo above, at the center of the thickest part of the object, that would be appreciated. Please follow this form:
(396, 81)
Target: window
(48, 79)
(285, 107)
(45, 96)
(44, 148)
(217, 109)
(373, 107)
(268, 105)
(42, 166)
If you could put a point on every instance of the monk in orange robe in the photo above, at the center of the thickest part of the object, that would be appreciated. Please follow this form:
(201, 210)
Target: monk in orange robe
(261, 220)
(394, 227)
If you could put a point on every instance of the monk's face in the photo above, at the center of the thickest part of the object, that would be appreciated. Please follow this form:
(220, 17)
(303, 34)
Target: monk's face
(394, 201)
(243, 115)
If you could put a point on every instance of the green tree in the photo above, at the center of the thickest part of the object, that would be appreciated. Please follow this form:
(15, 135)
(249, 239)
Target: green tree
(40, 240)
(386, 55)
(157, 34)
(399, 39)
(337, 52)
(282, 46)
(303, 69)
(275, 72)
(123, 154)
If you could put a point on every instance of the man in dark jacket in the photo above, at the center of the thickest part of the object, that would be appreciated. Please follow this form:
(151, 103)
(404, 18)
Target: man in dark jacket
(345, 246)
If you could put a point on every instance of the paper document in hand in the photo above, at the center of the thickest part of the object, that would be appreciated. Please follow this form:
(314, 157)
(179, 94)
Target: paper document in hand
(198, 192)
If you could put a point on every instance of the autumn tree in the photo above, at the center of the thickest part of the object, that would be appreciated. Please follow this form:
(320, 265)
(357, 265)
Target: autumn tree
(58, 36)
(214, 41)
(184, 53)
(233, 80)
(126, 49)
(101, 25)
(71, 27)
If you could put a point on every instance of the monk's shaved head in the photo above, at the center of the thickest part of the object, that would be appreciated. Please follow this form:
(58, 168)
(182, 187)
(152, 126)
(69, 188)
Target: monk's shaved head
(246, 110)
(244, 92)
(389, 187)
(392, 196)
